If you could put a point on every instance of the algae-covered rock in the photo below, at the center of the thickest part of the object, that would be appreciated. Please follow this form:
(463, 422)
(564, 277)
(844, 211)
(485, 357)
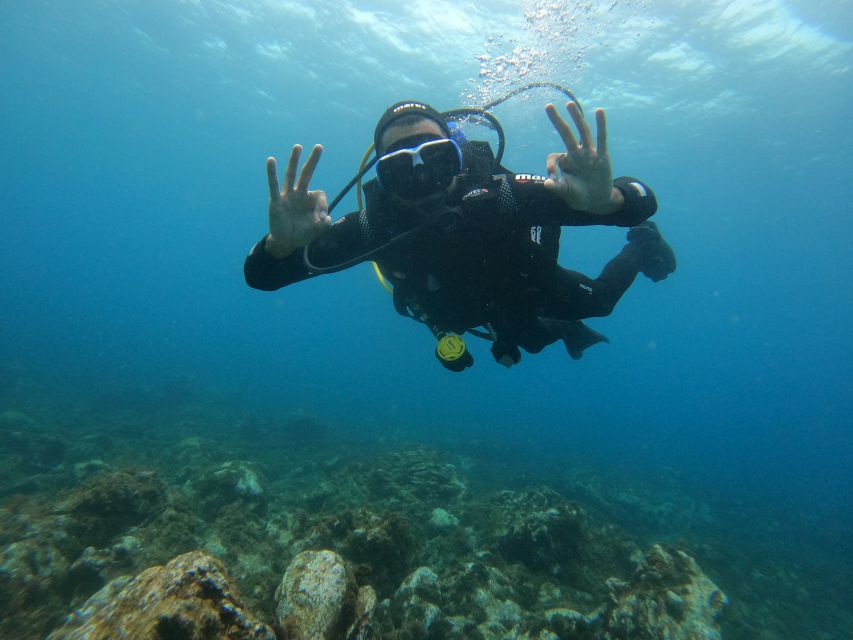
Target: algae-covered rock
(231, 483)
(485, 597)
(362, 627)
(543, 539)
(423, 583)
(40, 450)
(190, 597)
(110, 503)
(441, 519)
(32, 573)
(31, 457)
(94, 567)
(317, 597)
(668, 597)
(418, 476)
(89, 468)
(383, 544)
(57, 553)
(554, 539)
(569, 624)
(415, 608)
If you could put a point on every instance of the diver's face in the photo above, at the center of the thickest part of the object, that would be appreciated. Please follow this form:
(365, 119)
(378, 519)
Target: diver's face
(394, 134)
(420, 130)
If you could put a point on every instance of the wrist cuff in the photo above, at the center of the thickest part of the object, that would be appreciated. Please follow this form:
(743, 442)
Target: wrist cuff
(640, 202)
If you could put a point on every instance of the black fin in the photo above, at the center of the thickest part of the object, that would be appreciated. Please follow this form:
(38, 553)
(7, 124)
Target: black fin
(579, 338)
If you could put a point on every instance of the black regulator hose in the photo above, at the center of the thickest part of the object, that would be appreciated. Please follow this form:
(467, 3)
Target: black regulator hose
(534, 85)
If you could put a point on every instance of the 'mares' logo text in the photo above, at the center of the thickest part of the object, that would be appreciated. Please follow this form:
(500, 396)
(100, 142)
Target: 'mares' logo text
(528, 177)
(409, 105)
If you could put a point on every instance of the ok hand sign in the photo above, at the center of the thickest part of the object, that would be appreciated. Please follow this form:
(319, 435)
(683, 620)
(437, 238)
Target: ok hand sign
(296, 216)
(585, 180)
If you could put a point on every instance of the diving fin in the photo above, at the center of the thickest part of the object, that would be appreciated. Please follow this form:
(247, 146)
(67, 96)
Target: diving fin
(579, 337)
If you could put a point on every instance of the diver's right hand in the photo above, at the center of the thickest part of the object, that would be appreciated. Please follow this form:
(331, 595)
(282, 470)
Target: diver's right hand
(297, 216)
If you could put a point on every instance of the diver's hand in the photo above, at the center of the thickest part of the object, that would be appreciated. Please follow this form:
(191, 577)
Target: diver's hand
(297, 216)
(585, 180)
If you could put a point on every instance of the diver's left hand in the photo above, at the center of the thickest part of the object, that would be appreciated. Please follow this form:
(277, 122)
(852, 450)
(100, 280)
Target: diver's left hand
(585, 180)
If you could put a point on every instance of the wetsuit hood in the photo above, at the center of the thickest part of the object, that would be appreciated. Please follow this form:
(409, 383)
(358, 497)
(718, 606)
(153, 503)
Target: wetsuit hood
(407, 108)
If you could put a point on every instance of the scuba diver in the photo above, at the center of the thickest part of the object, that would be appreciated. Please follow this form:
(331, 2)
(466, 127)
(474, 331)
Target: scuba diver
(467, 245)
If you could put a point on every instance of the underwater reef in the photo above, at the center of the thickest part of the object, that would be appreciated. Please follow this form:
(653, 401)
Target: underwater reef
(190, 522)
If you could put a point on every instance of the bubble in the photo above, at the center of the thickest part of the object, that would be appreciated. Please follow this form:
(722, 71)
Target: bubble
(552, 46)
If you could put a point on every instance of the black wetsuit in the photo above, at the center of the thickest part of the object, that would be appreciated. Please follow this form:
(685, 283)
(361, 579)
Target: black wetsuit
(487, 257)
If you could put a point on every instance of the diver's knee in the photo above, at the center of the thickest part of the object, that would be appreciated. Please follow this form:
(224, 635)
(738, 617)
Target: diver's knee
(606, 307)
(600, 304)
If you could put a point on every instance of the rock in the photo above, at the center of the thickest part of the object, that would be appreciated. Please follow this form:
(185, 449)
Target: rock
(547, 537)
(567, 623)
(111, 503)
(416, 607)
(664, 505)
(554, 539)
(668, 597)
(32, 572)
(232, 483)
(416, 476)
(87, 572)
(89, 468)
(422, 583)
(383, 544)
(501, 615)
(484, 596)
(57, 554)
(33, 449)
(441, 519)
(190, 597)
(317, 598)
(365, 608)
(93, 568)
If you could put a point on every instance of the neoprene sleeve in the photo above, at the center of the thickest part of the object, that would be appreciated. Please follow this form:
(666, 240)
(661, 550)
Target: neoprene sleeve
(529, 198)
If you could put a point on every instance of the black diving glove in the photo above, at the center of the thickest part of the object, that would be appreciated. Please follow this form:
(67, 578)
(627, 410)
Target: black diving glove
(506, 353)
(452, 353)
(657, 259)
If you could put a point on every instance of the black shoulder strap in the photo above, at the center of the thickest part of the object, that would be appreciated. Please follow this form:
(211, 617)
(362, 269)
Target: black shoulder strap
(373, 195)
(479, 160)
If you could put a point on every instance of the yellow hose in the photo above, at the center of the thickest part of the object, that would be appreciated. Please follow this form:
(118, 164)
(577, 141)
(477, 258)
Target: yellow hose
(359, 198)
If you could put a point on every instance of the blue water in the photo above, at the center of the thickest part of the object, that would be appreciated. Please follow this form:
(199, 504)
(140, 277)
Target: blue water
(133, 143)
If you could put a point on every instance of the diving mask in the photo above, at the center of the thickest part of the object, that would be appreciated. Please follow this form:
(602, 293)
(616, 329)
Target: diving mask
(418, 171)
